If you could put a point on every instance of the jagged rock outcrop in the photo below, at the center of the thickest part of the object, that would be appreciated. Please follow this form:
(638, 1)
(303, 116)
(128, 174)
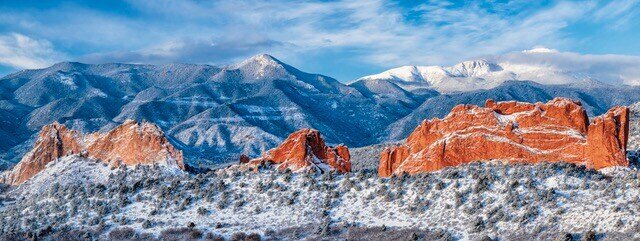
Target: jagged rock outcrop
(130, 144)
(304, 150)
(515, 132)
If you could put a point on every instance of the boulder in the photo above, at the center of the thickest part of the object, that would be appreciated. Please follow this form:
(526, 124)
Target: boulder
(512, 132)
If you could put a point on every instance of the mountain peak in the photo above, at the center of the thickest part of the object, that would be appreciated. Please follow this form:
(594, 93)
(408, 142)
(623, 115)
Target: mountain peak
(261, 60)
(263, 66)
(474, 68)
(66, 65)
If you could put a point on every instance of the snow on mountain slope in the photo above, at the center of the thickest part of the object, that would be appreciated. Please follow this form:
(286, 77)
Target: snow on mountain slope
(465, 76)
(214, 114)
(541, 65)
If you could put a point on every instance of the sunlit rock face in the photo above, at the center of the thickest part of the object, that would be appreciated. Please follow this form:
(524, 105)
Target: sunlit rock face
(514, 132)
(304, 150)
(129, 144)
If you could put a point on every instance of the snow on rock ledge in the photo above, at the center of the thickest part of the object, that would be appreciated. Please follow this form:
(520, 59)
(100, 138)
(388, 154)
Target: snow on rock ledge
(130, 144)
(303, 150)
(514, 132)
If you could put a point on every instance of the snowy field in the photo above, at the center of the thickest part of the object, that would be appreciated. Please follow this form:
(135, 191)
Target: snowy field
(80, 199)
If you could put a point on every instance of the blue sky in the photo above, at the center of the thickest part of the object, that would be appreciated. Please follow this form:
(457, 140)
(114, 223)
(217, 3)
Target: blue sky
(342, 39)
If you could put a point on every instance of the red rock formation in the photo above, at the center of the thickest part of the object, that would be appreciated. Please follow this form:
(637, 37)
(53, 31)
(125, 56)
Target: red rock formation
(54, 141)
(305, 150)
(558, 130)
(130, 144)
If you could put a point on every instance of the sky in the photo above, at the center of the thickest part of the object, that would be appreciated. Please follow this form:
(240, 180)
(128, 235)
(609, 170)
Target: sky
(342, 39)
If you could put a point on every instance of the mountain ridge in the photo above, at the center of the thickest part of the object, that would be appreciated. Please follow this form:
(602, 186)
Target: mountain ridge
(545, 67)
(217, 113)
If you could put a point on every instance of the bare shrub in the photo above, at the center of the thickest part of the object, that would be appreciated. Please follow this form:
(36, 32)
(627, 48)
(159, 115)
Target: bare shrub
(177, 234)
(239, 236)
(125, 233)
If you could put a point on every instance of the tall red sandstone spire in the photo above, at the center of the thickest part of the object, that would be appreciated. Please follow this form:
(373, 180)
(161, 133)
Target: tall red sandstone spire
(558, 130)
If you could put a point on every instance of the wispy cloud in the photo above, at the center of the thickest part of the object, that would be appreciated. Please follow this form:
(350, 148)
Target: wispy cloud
(377, 33)
(187, 50)
(620, 12)
(22, 52)
(607, 68)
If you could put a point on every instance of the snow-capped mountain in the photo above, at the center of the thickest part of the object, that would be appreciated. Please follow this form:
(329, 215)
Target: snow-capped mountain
(541, 65)
(214, 114)
(465, 76)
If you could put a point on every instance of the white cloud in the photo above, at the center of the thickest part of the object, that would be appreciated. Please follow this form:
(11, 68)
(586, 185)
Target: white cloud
(608, 68)
(187, 50)
(378, 33)
(20, 51)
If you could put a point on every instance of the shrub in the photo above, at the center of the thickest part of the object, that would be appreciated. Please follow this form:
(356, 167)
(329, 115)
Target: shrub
(477, 225)
(253, 237)
(565, 237)
(221, 204)
(146, 224)
(239, 203)
(239, 236)
(589, 236)
(125, 233)
(485, 238)
(69, 235)
(4, 187)
(202, 211)
(213, 237)
(176, 234)
(482, 185)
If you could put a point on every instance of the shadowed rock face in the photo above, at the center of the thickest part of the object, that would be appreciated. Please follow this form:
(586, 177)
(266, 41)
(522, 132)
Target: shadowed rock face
(516, 132)
(305, 150)
(130, 144)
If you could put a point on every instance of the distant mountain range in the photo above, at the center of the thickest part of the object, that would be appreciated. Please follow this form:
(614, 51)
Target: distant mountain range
(214, 114)
(544, 66)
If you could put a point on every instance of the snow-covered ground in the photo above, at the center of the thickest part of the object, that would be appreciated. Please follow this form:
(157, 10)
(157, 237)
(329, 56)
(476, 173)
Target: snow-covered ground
(511, 202)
